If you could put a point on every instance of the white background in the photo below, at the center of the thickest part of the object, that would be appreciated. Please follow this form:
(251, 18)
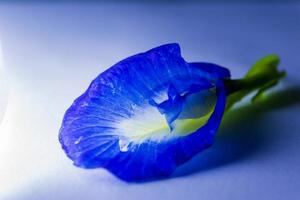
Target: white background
(51, 52)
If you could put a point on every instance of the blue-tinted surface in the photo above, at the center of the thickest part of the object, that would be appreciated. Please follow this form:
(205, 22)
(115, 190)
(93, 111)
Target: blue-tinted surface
(47, 47)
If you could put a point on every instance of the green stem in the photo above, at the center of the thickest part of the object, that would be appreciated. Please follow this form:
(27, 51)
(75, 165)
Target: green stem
(263, 75)
(250, 83)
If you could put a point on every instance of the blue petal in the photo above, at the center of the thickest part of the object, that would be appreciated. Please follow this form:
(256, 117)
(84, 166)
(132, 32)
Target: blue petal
(210, 71)
(157, 159)
(126, 121)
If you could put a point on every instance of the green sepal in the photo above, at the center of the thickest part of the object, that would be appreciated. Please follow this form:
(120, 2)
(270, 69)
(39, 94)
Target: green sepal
(262, 75)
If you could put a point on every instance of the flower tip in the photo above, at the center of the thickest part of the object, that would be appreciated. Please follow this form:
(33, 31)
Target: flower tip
(167, 48)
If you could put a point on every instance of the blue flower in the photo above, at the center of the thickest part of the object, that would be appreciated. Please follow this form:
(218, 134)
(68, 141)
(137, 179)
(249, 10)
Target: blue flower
(146, 115)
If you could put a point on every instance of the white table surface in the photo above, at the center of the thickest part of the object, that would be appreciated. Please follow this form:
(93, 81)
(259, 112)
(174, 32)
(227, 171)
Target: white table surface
(51, 52)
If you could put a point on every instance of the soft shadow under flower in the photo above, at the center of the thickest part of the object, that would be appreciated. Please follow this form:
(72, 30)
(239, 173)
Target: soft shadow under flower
(243, 133)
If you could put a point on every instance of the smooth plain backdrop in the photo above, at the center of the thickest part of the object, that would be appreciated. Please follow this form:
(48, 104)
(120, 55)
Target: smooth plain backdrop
(51, 52)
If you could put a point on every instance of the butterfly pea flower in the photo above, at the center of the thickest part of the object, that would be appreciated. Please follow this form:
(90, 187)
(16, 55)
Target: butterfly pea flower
(152, 112)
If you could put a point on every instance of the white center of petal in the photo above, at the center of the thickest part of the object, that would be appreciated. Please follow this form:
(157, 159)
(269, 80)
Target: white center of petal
(149, 123)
